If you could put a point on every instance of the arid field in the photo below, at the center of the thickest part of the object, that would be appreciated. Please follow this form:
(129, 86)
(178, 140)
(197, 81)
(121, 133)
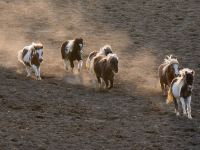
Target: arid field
(63, 111)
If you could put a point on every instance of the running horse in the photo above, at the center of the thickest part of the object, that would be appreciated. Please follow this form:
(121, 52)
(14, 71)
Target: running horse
(181, 90)
(104, 51)
(167, 71)
(32, 56)
(72, 50)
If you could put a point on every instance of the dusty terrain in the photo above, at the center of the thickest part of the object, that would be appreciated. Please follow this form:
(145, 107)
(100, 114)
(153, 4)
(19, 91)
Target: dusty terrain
(64, 112)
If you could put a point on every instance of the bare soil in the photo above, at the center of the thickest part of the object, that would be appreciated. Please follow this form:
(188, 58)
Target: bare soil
(63, 111)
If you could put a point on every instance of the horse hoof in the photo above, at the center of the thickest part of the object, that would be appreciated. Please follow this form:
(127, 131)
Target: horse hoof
(184, 114)
(39, 78)
(190, 117)
(177, 114)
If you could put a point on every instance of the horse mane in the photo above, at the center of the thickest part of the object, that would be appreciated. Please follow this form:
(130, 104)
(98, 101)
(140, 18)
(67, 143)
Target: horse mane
(106, 49)
(184, 70)
(36, 46)
(169, 60)
(182, 74)
(110, 56)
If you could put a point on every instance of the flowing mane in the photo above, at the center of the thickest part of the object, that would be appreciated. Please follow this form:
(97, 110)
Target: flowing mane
(110, 56)
(37, 46)
(169, 61)
(105, 50)
(183, 71)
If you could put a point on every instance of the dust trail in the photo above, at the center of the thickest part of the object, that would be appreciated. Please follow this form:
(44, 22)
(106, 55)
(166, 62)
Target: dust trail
(140, 70)
(52, 24)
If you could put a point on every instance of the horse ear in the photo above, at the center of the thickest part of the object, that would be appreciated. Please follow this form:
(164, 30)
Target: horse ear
(193, 72)
(180, 67)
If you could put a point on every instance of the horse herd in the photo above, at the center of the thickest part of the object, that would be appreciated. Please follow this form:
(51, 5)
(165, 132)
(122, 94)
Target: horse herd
(103, 64)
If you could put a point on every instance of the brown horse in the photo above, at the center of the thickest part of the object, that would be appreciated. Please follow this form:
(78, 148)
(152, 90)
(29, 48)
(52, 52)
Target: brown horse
(105, 50)
(72, 50)
(167, 71)
(105, 67)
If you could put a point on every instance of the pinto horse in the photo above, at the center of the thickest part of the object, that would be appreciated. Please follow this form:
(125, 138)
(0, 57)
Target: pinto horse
(32, 56)
(105, 67)
(181, 90)
(72, 50)
(167, 71)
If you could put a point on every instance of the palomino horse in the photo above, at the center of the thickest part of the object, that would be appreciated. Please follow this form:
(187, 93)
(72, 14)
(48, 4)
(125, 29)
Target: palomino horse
(167, 71)
(181, 90)
(32, 56)
(72, 50)
(105, 67)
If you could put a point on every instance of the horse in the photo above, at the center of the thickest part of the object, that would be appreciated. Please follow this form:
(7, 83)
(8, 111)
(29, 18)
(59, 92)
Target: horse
(105, 50)
(72, 50)
(105, 67)
(181, 90)
(32, 57)
(167, 71)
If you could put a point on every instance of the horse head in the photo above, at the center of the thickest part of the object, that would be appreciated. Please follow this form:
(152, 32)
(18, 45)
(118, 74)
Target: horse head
(174, 69)
(105, 50)
(172, 65)
(188, 75)
(78, 47)
(113, 62)
(38, 51)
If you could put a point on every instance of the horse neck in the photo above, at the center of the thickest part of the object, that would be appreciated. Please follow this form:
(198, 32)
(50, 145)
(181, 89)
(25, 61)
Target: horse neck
(74, 49)
(181, 81)
(108, 66)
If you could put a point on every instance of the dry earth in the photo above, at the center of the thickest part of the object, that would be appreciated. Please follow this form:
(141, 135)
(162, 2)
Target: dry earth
(63, 111)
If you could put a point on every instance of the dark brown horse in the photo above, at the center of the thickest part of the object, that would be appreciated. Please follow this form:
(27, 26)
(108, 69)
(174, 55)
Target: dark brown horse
(72, 50)
(167, 71)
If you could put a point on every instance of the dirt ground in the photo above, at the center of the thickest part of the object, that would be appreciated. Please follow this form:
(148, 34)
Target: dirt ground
(63, 111)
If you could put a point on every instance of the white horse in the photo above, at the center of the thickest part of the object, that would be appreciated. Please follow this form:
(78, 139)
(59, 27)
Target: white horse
(181, 91)
(32, 56)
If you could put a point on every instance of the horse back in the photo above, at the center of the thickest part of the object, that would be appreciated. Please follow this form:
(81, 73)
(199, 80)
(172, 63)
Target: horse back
(160, 70)
(101, 68)
(92, 55)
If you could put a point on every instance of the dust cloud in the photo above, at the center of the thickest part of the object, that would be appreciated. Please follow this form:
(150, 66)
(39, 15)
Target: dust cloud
(28, 21)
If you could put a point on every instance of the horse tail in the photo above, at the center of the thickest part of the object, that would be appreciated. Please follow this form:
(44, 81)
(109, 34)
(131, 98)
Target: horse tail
(63, 49)
(88, 63)
(20, 56)
(170, 96)
(90, 58)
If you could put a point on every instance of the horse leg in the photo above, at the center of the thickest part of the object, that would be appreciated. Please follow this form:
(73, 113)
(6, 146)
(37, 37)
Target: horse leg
(176, 107)
(28, 70)
(99, 81)
(111, 83)
(80, 64)
(163, 88)
(183, 105)
(106, 82)
(39, 78)
(189, 107)
(35, 68)
(66, 64)
(72, 65)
